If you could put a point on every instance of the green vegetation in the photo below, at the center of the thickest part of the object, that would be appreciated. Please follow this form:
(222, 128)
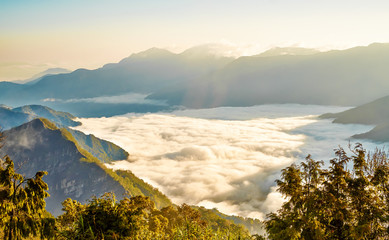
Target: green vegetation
(335, 203)
(103, 150)
(137, 218)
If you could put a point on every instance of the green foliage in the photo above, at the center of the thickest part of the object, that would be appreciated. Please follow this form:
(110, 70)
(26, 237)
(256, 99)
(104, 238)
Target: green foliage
(137, 218)
(22, 204)
(134, 184)
(334, 203)
(48, 124)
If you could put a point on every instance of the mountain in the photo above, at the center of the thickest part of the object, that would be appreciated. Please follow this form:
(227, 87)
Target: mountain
(144, 72)
(373, 113)
(200, 77)
(37, 77)
(342, 77)
(73, 171)
(12, 117)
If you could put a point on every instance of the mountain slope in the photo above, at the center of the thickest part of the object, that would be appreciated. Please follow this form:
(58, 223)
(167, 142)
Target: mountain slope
(103, 150)
(73, 171)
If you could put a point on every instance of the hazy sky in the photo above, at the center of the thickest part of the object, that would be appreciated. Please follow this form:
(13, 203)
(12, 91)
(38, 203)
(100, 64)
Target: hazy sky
(35, 35)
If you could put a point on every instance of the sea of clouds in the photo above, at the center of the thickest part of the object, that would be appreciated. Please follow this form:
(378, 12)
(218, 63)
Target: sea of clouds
(225, 158)
(129, 98)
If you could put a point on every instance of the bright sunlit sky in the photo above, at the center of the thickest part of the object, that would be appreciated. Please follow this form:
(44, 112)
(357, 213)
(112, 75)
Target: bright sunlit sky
(39, 34)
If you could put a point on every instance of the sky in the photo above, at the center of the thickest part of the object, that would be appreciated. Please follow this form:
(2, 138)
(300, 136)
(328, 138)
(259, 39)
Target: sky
(40, 34)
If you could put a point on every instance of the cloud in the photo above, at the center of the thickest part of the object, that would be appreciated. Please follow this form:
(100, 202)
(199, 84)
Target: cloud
(226, 158)
(24, 139)
(129, 98)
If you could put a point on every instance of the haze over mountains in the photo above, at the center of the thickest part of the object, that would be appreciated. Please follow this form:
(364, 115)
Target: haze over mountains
(198, 78)
(348, 77)
(37, 77)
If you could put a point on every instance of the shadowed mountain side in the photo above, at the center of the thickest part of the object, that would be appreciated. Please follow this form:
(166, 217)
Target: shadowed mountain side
(72, 171)
(347, 77)
(373, 113)
(12, 117)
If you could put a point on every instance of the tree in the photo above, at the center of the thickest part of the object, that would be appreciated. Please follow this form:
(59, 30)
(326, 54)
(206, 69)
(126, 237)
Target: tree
(105, 218)
(22, 204)
(334, 203)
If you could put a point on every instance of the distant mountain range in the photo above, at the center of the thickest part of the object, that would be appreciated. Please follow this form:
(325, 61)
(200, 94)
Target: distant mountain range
(198, 78)
(347, 77)
(145, 72)
(373, 113)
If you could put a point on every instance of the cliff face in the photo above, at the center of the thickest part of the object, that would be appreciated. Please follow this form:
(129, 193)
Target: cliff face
(36, 147)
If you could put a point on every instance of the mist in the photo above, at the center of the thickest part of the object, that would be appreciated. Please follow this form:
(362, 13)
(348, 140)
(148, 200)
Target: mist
(225, 158)
(129, 98)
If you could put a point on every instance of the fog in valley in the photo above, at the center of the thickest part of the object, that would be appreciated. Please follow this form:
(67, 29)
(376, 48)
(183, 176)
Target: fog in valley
(225, 158)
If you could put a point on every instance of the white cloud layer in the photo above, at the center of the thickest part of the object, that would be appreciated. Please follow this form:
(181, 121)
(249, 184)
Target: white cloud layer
(129, 98)
(226, 158)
